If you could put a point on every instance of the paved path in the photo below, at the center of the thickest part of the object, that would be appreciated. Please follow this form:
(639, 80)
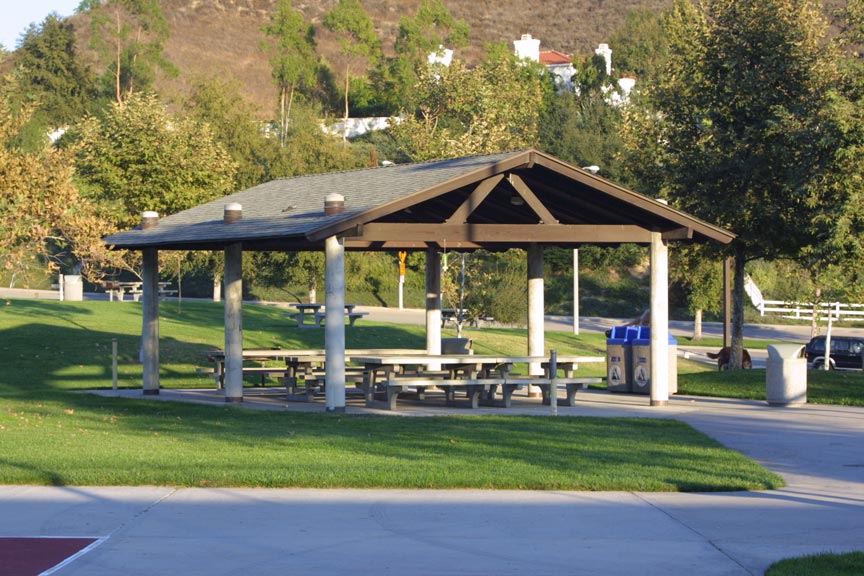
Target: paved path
(154, 530)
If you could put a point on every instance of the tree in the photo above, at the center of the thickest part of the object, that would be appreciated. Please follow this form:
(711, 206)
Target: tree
(234, 123)
(292, 57)
(137, 157)
(491, 108)
(582, 127)
(736, 129)
(640, 45)
(431, 29)
(357, 39)
(51, 75)
(130, 35)
(44, 223)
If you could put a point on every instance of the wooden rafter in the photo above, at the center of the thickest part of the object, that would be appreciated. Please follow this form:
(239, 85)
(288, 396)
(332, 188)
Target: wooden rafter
(474, 200)
(531, 199)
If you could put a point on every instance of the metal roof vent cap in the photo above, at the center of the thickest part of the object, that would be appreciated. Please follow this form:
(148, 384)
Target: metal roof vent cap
(149, 219)
(334, 204)
(233, 213)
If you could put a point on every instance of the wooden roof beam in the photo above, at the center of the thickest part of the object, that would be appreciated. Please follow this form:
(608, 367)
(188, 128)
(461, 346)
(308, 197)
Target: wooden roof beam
(474, 200)
(531, 199)
(453, 234)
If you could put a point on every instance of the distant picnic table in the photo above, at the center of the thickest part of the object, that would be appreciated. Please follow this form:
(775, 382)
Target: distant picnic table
(118, 290)
(317, 313)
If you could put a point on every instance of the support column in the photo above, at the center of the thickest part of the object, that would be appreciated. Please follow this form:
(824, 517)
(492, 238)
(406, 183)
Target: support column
(536, 321)
(576, 291)
(659, 321)
(433, 301)
(727, 302)
(334, 328)
(233, 284)
(150, 323)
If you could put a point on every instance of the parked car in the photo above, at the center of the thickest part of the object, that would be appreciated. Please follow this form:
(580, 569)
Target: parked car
(846, 352)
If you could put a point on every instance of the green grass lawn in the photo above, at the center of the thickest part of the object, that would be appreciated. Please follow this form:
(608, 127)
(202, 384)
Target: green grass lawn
(851, 564)
(52, 434)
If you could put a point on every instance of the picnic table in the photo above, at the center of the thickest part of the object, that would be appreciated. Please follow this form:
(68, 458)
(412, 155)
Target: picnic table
(317, 313)
(117, 290)
(302, 371)
(479, 376)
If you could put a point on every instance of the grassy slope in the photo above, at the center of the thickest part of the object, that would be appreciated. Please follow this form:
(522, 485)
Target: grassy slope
(52, 435)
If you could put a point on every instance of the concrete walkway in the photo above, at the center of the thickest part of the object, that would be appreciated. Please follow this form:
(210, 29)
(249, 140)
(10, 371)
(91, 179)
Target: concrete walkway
(817, 449)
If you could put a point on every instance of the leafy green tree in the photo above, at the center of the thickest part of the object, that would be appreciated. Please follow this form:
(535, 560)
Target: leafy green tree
(138, 157)
(640, 45)
(130, 35)
(44, 222)
(359, 44)
(292, 57)
(235, 124)
(739, 129)
(582, 127)
(493, 107)
(431, 29)
(51, 74)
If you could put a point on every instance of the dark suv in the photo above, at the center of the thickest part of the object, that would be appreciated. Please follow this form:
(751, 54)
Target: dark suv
(846, 352)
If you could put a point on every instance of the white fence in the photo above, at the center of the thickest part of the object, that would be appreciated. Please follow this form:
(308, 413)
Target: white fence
(834, 311)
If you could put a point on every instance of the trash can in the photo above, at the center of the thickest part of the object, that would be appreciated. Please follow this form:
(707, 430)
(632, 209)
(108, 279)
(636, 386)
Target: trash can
(618, 358)
(641, 352)
(73, 288)
(786, 375)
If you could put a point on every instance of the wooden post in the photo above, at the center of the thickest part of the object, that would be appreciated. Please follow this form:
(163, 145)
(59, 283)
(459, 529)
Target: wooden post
(234, 323)
(334, 329)
(150, 322)
(659, 321)
(114, 364)
(536, 321)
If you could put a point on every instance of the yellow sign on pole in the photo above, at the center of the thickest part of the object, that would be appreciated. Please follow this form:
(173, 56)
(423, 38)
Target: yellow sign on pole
(403, 256)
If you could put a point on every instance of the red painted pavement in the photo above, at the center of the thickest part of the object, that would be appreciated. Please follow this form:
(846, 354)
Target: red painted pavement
(32, 556)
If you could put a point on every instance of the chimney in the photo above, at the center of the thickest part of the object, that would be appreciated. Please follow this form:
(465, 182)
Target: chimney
(606, 52)
(233, 213)
(334, 204)
(149, 219)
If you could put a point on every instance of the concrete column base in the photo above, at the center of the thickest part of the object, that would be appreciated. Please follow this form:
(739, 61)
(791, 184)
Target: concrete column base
(335, 410)
(659, 402)
(233, 400)
(151, 392)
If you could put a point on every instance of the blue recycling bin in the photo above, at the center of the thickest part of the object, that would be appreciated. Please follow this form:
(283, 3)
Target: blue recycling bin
(618, 358)
(640, 348)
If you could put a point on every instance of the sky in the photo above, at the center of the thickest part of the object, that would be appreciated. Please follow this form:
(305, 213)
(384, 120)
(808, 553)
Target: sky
(17, 15)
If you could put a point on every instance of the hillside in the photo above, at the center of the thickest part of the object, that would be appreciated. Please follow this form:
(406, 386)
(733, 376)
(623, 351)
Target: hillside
(210, 37)
(224, 38)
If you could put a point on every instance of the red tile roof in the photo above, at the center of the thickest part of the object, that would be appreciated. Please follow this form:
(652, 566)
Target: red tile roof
(548, 57)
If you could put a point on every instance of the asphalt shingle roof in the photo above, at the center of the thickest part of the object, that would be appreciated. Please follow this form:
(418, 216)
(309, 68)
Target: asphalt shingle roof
(288, 214)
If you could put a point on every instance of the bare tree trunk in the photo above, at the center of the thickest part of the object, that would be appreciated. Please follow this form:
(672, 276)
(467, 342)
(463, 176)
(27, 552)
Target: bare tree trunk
(117, 63)
(313, 289)
(287, 115)
(217, 288)
(697, 325)
(347, 88)
(282, 116)
(737, 352)
(814, 321)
